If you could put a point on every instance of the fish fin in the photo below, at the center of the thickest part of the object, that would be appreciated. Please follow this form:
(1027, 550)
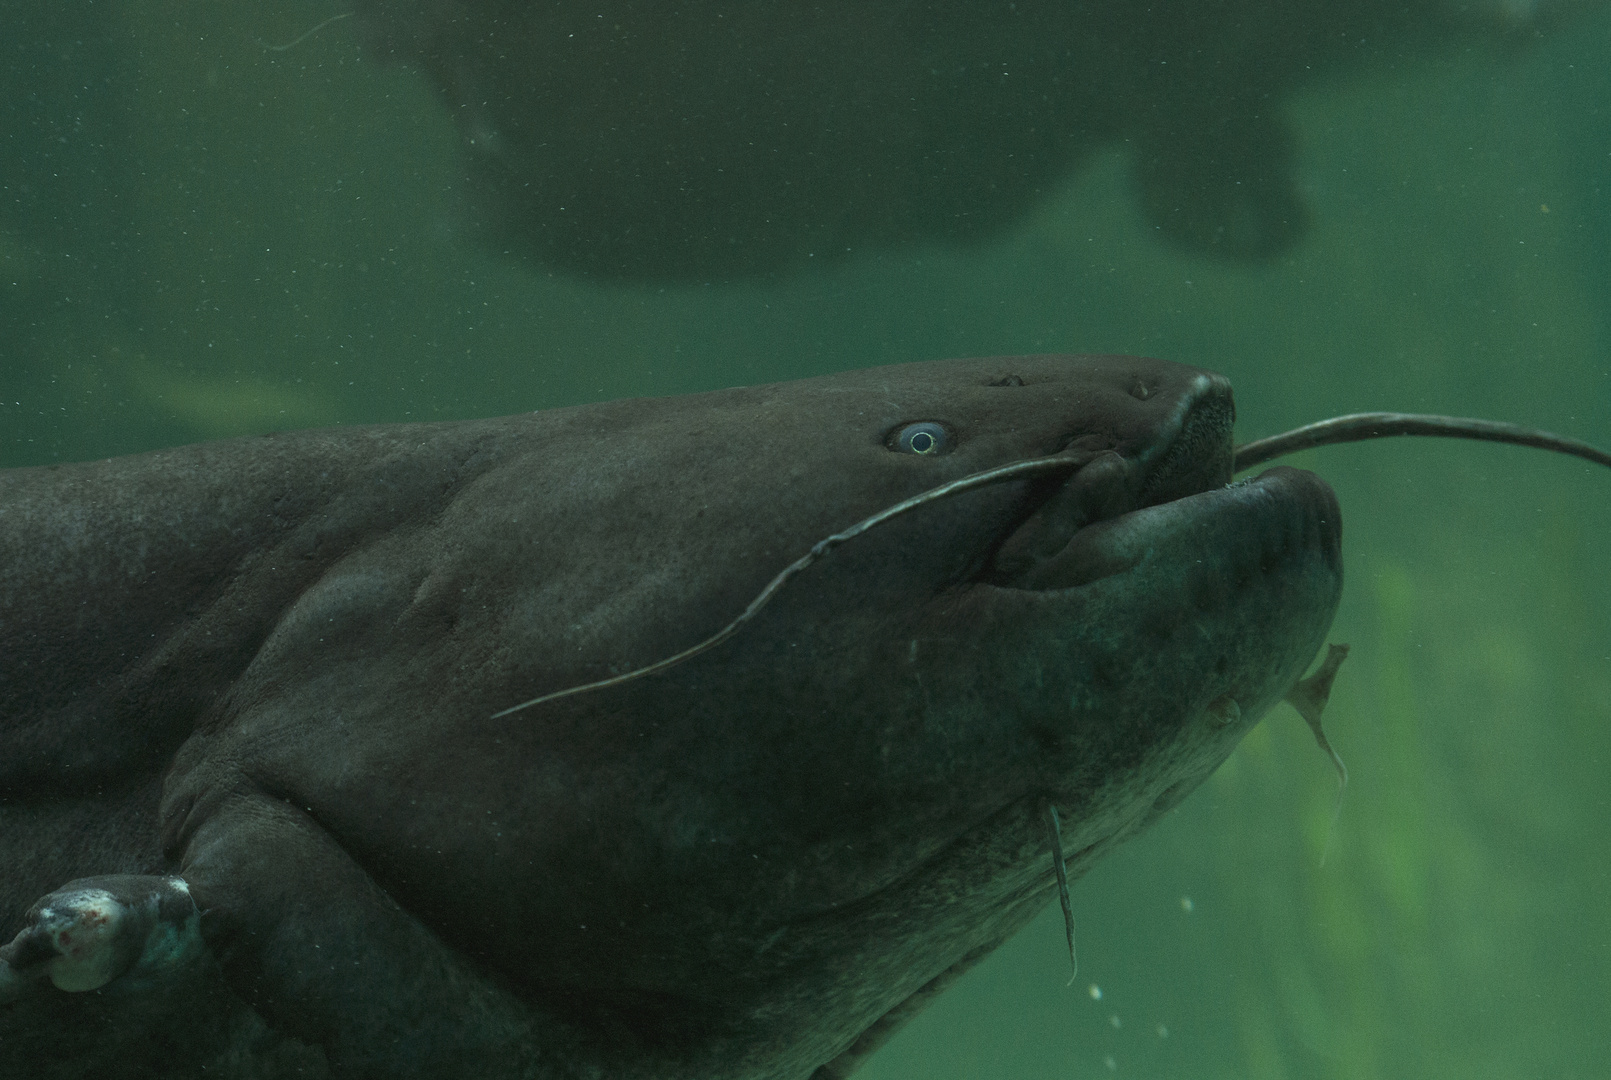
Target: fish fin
(1309, 696)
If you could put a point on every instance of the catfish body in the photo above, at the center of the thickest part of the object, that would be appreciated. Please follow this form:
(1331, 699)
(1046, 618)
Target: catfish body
(253, 796)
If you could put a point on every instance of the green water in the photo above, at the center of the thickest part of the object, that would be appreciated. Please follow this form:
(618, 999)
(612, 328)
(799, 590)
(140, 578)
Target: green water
(290, 260)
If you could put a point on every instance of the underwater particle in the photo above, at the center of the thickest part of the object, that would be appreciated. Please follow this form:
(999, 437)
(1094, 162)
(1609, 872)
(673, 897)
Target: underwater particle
(1114, 1020)
(1163, 1032)
(1113, 1066)
(1186, 904)
(1095, 992)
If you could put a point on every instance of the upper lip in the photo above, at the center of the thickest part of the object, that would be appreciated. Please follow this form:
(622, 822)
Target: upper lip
(1051, 548)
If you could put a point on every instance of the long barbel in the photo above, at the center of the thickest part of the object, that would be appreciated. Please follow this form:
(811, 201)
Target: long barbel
(1355, 427)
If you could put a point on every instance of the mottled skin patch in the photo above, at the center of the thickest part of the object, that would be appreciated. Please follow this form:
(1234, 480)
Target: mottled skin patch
(269, 668)
(95, 930)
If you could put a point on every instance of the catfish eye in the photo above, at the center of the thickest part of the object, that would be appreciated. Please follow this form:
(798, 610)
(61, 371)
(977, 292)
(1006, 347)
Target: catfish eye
(925, 438)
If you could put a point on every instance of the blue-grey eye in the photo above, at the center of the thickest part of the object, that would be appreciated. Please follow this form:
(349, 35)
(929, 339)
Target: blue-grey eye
(925, 438)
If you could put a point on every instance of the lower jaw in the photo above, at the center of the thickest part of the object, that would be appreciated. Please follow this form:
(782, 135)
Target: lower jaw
(1110, 547)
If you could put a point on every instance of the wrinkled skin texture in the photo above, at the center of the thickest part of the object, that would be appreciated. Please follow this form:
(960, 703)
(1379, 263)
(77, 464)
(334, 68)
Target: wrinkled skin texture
(726, 138)
(254, 680)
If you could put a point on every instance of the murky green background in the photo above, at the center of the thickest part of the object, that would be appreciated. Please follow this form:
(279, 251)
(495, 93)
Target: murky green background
(293, 262)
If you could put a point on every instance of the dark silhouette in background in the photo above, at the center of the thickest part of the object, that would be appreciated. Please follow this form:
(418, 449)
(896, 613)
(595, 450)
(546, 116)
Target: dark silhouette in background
(716, 139)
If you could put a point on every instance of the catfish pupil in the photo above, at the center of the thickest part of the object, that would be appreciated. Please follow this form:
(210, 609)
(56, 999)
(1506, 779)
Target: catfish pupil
(924, 438)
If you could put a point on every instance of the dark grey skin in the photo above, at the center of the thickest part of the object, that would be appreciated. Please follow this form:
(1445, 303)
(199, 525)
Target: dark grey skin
(255, 680)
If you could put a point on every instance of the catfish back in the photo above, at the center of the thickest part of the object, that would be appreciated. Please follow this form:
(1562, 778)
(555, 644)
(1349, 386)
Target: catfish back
(136, 589)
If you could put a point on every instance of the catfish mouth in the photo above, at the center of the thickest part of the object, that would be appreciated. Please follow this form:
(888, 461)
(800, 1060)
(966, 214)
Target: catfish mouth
(1058, 543)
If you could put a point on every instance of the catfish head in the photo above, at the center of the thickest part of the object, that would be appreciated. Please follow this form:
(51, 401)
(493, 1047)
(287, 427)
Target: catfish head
(866, 769)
